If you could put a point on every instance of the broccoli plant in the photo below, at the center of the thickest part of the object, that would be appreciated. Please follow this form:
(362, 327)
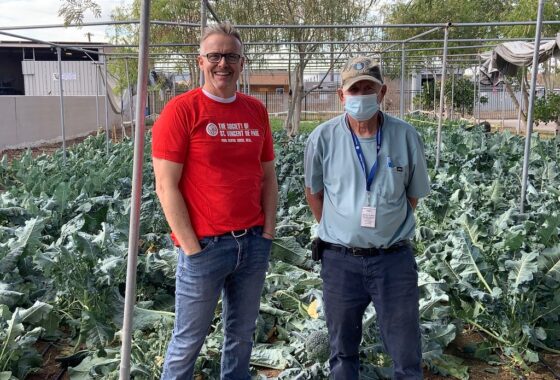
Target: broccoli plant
(317, 346)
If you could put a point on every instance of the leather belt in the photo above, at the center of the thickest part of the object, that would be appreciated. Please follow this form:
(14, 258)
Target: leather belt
(367, 252)
(240, 233)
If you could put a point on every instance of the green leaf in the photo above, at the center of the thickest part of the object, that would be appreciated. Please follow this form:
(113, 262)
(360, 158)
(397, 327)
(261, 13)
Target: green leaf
(271, 356)
(549, 263)
(36, 314)
(28, 238)
(93, 365)
(9, 297)
(96, 331)
(7, 375)
(287, 249)
(448, 365)
(549, 229)
(521, 271)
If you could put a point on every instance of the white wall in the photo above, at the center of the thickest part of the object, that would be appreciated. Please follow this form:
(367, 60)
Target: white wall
(31, 120)
(41, 78)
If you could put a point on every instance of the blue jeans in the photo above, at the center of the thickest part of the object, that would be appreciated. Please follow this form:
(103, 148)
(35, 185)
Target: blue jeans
(236, 268)
(390, 280)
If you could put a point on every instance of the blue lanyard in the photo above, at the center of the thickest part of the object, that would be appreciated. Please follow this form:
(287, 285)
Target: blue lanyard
(362, 158)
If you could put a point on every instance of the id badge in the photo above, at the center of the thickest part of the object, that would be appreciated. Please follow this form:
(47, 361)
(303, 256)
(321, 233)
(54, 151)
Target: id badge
(368, 216)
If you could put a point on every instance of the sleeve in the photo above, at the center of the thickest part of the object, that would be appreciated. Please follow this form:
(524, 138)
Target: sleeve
(313, 165)
(268, 144)
(170, 134)
(419, 180)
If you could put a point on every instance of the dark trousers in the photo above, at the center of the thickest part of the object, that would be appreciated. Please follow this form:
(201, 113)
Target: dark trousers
(390, 280)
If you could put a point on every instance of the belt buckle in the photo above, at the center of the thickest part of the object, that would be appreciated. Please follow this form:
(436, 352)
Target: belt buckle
(356, 252)
(241, 234)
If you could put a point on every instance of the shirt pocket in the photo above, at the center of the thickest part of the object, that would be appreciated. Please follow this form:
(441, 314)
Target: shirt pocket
(393, 182)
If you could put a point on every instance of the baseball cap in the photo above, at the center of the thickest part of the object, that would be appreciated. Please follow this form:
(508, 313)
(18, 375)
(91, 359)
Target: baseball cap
(360, 68)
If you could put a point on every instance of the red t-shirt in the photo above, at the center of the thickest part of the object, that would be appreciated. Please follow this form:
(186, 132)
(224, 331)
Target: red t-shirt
(221, 147)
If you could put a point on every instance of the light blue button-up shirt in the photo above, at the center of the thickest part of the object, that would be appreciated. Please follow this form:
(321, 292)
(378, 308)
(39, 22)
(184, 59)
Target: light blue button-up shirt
(331, 165)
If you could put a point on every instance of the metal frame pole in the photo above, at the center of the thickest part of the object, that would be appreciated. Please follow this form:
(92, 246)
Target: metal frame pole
(285, 26)
(474, 92)
(442, 95)
(61, 87)
(403, 77)
(106, 105)
(502, 102)
(96, 94)
(203, 21)
(129, 98)
(435, 97)
(134, 228)
(452, 93)
(479, 87)
(531, 105)
(248, 79)
(381, 64)
(521, 99)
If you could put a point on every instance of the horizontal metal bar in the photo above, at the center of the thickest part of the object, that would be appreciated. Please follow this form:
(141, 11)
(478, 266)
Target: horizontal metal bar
(280, 43)
(279, 26)
(52, 44)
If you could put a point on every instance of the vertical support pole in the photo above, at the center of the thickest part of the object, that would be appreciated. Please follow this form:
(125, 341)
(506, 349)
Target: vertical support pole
(96, 93)
(531, 106)
(106, 104)
(403, 78)
(442, 94)
(248, 80)
(502, 102)
(132, 261)
(383, 108)
(479, 86)
(474, 92)
(521, 99)
(129, 98)
(203, 21)
(61, 88)
(435, 97)
(245, 80)
(452, 93)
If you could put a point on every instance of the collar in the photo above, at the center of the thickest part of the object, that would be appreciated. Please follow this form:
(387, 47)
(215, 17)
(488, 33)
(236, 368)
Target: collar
(220, 99)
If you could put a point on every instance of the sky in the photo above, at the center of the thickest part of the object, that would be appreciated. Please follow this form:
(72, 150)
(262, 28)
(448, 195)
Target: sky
(45, 12)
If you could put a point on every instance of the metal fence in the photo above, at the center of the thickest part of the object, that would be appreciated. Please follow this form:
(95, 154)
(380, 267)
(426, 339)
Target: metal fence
(321, 105)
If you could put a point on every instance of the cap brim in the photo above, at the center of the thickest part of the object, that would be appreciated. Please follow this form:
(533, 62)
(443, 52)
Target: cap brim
(350, 82)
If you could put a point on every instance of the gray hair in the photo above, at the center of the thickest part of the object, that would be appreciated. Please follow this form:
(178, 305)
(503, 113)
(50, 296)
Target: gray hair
(224, 28)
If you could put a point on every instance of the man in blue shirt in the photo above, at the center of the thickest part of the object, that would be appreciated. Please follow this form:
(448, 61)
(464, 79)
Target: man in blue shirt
(364, 173)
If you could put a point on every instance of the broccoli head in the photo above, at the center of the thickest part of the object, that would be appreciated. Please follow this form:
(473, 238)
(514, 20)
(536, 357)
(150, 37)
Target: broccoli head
(317, 346)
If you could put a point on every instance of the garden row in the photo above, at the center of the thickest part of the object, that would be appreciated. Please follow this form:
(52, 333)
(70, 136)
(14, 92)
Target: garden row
(63, 248)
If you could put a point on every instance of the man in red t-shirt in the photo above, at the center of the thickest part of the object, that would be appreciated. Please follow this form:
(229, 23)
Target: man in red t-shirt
(213, 162)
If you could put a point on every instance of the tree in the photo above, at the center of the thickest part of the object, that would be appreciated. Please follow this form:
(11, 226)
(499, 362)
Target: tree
(548, 108)
(291, 12)
(461, 91)
(179, 11)
(440, 11)
(73, 10)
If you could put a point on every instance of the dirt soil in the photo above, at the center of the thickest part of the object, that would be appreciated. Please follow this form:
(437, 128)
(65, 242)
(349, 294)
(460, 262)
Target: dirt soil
(49, 148)
(547, 369)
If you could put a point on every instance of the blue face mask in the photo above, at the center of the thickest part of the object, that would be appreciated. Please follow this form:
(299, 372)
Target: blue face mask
(361, 107)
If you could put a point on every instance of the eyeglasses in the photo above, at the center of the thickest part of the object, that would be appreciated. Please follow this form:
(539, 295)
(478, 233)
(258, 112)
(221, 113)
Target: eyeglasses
(217, 57)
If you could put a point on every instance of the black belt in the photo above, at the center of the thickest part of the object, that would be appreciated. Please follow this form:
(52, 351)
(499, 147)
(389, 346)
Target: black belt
(366, 251)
